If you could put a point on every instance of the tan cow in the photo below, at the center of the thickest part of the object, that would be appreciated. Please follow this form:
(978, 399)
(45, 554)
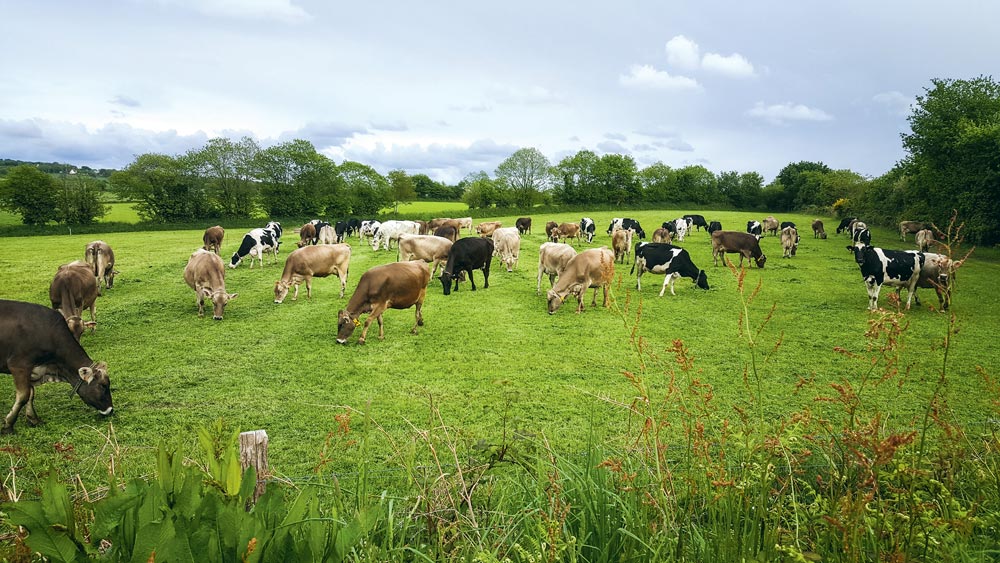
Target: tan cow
(307, 235)
(747, 245)
(621, 242)
(818, 231)
(205, 274)
(507, 246)
(924, 238)
(429, 248)
(73, 289)
(566, 231)
(309, 262)
(212, 239)
(399, 285)
(465, 222)
(591, 268)
(662, 235)
(552, 260)
(789, 242)
(102, 260)
(327, 235)
(486, 228)
(910, 227)
(770, 224)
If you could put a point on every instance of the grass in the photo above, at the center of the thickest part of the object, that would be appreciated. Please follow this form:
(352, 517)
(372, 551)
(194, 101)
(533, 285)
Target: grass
(492, 362)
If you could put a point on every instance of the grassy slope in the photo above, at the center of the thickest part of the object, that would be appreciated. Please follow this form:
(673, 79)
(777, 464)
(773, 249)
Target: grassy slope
(482, 356)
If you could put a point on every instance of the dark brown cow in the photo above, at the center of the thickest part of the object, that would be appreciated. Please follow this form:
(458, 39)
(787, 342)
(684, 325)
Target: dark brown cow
(745, 244)
(549, 227)
(523, 225)
(206, 275)
(74, 289)
(447, 231)
(818, 231)
(307, 235)
(213, 239)
(102, 259)
(309, 262)
(399, 285)
(566, 231)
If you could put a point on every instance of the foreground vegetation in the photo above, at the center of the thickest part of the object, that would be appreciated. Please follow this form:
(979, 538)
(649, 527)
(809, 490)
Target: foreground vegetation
(739, 423)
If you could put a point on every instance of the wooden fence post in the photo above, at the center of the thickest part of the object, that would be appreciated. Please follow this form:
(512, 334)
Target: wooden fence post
(253, 451)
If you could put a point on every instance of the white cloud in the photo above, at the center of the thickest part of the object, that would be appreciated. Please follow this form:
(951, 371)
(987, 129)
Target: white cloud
(735, 65)
(323, 135)
(780, 113)
(615, 136)
(895, 102)
(446, 160)
(126, 101)
(527, 96)
(675, 144)
(682, 53)
(648, 78)
(612, 147)
(280, 10)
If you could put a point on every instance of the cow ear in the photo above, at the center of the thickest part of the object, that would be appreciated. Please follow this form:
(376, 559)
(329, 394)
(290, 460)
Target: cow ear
(232, 296)
(86, 374)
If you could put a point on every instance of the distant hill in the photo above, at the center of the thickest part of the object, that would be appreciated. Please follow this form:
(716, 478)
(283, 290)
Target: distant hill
(55, 168)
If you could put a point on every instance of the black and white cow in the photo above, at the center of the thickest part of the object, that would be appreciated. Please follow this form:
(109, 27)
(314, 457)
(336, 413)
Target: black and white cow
(626, 223)
(787, 224)
(755, 228)
(342, 230)
(670, 226)
(895, 268)
(255, 244)
(696, 221)
(317, 224)
(845, 223)
(275, 228)
(672, 261)
(587, 228)
(714, 226)
(862, 237)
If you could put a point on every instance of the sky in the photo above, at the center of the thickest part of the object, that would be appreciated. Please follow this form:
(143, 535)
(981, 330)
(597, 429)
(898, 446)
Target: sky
(448, 88)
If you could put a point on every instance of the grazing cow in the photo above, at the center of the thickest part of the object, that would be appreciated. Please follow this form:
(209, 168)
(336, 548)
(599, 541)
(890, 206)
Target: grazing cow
(447, 231)
(862, 237)
(399, 285)
(310, 262)
(326, 235)
(467, 254)
(747, 245)
(435, 223)
(770, 225)
(212, 239)
(429, 248)
(924, 239)
(670, 226)
(307, 235)
(255, 244)
(789, 241)
(634, 225)
(523, 225)
(681, 228)
(662, 235)
(353, 226)
(390, 231)
(818, 231)
(368, 229)
(206, 276)
(318, 224)
(714, 226)
(507, 246)
(896, 268)
(786, 224)
(73, 289)
(549, 227)
(911, 227)
(591, 268)
(340, 231)
(275, 228)
(697, 221)
(552, 260)
(621, 243)
(566, 231)
(935, 274)
(465, 222)
(102, 260)
(672, 261)
(486, 228)
(422, 227)
(38, 348)
(755, 228)
(845, 224)
(587, 228)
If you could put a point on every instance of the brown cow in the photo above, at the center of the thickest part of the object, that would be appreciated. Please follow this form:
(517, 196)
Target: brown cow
(770, 224)
(399, 285)
(910, 227)
(309, 262)
(789, 241)
(447, 231)
(552, 260)
(566, 231)
(621, 242)
(486, 228)
(102, 259)
(818, 231)
(213, 239)
(205, 274)
(661, 235)
(307, 235)
(549, 227)
(326, 235)
(73, 289)
(429, 248)
(591, 268)
(745, 244)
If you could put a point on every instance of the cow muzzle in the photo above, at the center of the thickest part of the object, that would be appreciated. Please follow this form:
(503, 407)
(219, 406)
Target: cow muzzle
(107, 411)
(341, 341)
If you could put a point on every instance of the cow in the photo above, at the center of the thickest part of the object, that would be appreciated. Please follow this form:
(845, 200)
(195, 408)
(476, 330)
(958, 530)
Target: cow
(467, 254)
(697, 221)
(448, 232)
(38, 347)
(566, 231)
(670, 226)
(754, 228)
(429, 248)
(255, 244)
(368, 229)
(275, 228)
(552, 260)
(862, 237)
(206, 276)
(422, 228)
(786, 224)
(626, 223)
(621, 243)
(789, 241)
(353, 226)
(390, 231)
(399, 285)
(747, 245)
(523, 225)
(327, 235)
(549, 227)
(507, 246)
(340, 231)
(465, 222)
(935, 274)
(662, 235)
(818, 231)
(714, 226)
(672, 261)
(896, 268)
(911, 227)
(310, 262)
(307, 235)
(855, 227)
(924, 238)
(587, 228)
(318, 224)
(102, 260)
(770, 225)
(435, 223)
(681, 228)
(212, 239)
(845, 224)
(591, 268)
(486, 228)
(73, 289)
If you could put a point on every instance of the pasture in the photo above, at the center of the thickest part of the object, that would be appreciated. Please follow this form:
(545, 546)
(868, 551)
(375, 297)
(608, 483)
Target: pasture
(492, 362)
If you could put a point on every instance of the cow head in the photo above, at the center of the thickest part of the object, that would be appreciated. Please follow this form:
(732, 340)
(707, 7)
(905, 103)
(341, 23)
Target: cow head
(280, 291)
(345, 326)
(446, 278)
(235, 260)
(702, 280)
(77, 325)
(760, 260)
(219, 299)
(555, 301)
(859, 253)
(95, 387)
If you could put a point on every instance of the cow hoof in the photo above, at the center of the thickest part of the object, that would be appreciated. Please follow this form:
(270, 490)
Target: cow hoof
(414, 331)
(34, 422)
(361, 341)
(7, 430)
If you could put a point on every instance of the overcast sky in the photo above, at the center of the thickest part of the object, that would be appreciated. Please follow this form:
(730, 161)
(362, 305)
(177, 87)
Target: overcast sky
(449, 88)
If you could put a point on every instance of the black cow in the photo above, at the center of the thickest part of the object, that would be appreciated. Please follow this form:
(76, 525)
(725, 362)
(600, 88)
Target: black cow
(467, 254)
(38, 347)
(341, 229)
(755, 228)
(673, 261)
(587, 228)
(714, 226)
(353, 226)
(895, 268)
(787, 224)
(696, 221)
(523, 225)
(845, 223)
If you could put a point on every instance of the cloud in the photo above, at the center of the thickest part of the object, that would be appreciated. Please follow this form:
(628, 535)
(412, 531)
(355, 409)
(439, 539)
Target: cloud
(448, 162)
(682, 53)
(323, 135)
(781, 113)
(612, 147)
(895, 102)
(667, 138)
(643, 147)
(657, 131)
(645, 77)
(615, 136)
(735, 65)
(574, 139)
(279, 10)
(478, 108)
(675, 144)
(389, 126)
(126, 101)
(526, 96)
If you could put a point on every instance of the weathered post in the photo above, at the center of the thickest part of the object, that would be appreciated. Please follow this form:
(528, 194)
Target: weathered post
(253, 451)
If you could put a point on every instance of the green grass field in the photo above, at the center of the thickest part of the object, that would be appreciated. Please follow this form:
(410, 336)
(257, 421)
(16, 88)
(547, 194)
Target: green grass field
(493, 361)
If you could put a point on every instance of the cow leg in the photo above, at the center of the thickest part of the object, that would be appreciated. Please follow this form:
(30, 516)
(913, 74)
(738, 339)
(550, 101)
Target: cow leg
(93, 307)
(22, 393)
(486, 276)
(666, 280)
(638, 280)
(607, 301)
(419, 316)
(343, 284)
(472, 279)
(873, 291)
(538, 286)
(200, 301)
(29, 408)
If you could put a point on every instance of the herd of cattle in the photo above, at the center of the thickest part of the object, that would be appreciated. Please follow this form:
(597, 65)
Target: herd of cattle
(42, 344)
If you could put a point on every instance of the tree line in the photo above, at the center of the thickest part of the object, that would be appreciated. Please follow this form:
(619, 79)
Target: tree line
(951, 163)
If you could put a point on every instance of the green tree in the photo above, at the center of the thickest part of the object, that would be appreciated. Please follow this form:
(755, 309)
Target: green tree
(576, 179)
(401, 188)
(78, 201)
(164, 187)
(697, 184)
(618, 179)
(527, 173)
(792, 179)
(366, 190)
(31, 193)
(228, 168)
(297, 181)
(659, 183)
(481, 191)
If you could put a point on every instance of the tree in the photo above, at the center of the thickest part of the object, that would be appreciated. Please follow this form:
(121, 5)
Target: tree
(697, 184)
(481, 191)
(78, 201)
(792, 179)
(228, 168)
(31, 193)
(526, 173)
(401, 188)
(165, 187)
(617, 178)
(366, 190)
(659, 183)
(576, 180)
(297, 181)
